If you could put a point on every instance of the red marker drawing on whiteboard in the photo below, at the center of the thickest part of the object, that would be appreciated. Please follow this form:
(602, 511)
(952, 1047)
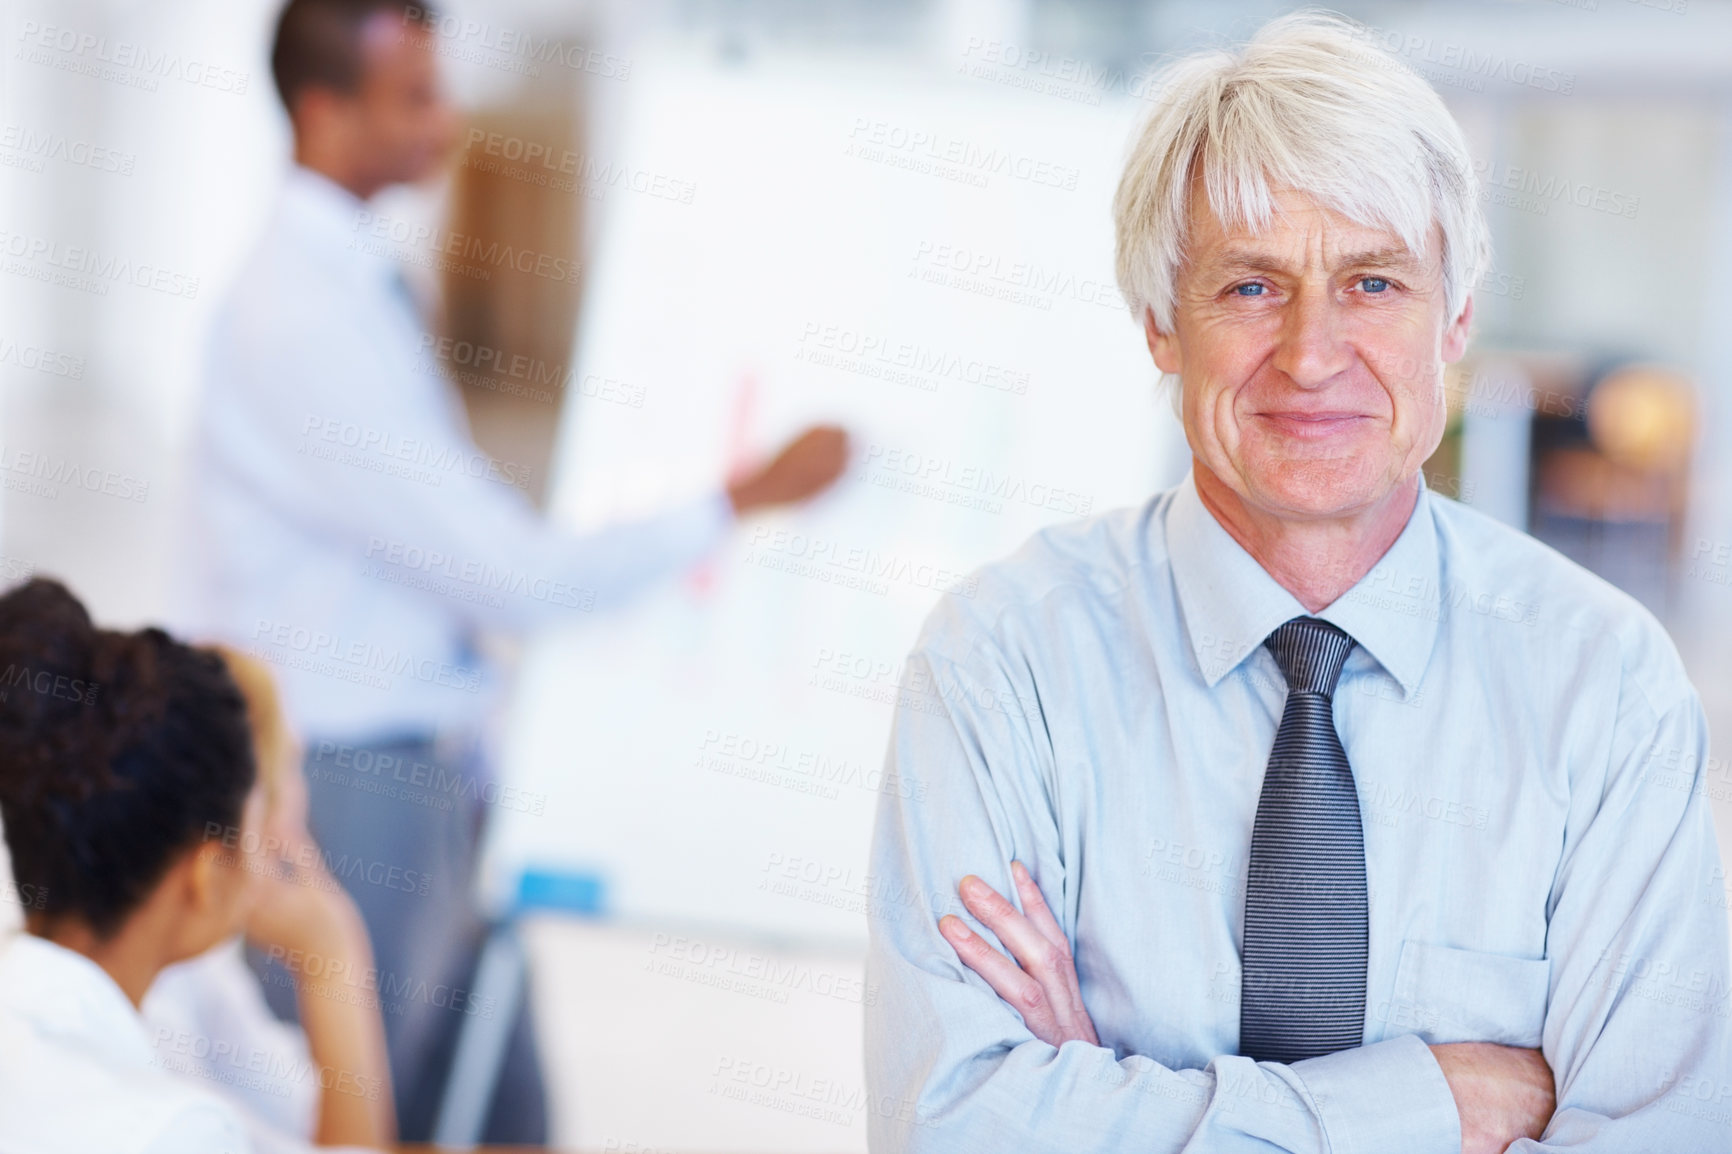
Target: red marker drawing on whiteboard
(740, 462)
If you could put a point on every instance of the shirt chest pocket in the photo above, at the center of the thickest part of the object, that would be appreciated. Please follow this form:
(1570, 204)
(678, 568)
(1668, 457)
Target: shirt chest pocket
(1449, 995)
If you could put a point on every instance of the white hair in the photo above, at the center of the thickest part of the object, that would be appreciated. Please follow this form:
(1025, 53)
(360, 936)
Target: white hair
(1312, 104)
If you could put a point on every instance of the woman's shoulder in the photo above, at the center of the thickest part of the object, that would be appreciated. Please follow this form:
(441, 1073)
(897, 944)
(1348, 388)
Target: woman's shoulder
(58, 1094)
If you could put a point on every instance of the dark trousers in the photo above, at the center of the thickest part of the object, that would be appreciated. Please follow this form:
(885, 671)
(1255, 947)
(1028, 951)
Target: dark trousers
(399, 824)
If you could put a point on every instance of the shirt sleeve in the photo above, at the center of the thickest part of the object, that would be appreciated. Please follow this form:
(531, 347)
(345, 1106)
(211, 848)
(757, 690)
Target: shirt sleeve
(343, 440)
(1636, 1027)
(951, 1067)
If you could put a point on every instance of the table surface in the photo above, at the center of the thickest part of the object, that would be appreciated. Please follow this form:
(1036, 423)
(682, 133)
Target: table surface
(415, 1149)
(489, 1149)
(418, 1149)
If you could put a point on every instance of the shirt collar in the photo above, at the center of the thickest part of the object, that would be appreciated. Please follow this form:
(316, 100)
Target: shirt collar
(1230, 603)
(65, 995)
(329, 218)
(320, 203)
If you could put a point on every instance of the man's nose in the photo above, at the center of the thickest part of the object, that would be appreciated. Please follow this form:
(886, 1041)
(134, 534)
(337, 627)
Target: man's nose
(1311, 349)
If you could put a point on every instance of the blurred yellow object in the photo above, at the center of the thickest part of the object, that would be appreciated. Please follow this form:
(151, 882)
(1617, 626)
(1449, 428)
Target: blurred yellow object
(1643, 417)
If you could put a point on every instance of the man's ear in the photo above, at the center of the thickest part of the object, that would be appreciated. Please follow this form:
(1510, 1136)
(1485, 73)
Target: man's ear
(321, 111)
(1455, 336)
(1164, 347)
(312, 107)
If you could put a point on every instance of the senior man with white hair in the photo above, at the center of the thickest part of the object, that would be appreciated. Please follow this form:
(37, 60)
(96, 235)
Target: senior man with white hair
(1327, 804)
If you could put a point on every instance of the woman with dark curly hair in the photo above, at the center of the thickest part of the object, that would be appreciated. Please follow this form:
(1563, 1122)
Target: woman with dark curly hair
(131, 810)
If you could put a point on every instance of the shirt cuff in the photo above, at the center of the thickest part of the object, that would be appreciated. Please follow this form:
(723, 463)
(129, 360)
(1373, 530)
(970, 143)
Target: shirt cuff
(715, 517)
(1390, 1095)
(694, 531)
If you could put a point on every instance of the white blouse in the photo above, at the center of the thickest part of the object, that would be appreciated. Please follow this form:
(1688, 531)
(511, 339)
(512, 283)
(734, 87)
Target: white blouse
(208, 1021)
(78, 1072)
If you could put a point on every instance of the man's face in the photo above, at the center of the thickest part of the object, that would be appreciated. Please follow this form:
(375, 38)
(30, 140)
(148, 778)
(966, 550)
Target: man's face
(1310, 357)
(400, 118)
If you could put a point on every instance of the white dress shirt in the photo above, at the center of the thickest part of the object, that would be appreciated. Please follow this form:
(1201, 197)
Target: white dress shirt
(344, 527)
(77, 1071)
(208, 1021)
(1530, 760)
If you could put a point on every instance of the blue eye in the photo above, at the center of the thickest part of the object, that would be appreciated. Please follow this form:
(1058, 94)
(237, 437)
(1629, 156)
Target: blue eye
(1249, 290)
(1373, 284)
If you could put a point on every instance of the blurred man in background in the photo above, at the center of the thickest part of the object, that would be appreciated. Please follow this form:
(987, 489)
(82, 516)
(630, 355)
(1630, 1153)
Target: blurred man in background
(347, 529)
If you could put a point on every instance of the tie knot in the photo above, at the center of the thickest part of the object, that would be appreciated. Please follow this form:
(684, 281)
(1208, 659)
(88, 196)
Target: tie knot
(1310, 653)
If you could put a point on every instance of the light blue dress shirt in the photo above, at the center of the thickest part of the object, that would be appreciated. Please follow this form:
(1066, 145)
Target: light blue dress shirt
(1530, 760)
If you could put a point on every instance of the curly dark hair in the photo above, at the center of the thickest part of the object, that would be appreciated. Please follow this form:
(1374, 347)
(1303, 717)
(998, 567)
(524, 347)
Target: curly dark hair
(118, 753)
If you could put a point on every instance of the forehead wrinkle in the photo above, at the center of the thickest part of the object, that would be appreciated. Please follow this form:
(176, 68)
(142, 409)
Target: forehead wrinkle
(1244, 259)
(1304, 233)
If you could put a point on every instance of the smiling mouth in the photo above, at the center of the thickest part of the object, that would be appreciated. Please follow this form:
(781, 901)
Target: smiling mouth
(1312, 425)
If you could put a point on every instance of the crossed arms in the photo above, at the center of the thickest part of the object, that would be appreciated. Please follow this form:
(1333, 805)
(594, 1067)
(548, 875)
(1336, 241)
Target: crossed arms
(980, 1040)
(1501, 1092)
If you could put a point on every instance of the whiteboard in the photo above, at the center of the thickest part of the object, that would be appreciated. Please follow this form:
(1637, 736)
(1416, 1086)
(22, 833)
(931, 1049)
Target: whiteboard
(926, 259)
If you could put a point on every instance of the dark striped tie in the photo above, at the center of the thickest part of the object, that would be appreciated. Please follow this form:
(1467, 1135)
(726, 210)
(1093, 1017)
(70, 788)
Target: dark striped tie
(1303, 989)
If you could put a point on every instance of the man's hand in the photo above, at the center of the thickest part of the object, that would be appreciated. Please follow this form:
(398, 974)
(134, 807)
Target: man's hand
(1043, 988)
(1501, 1092)
(805, 467)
